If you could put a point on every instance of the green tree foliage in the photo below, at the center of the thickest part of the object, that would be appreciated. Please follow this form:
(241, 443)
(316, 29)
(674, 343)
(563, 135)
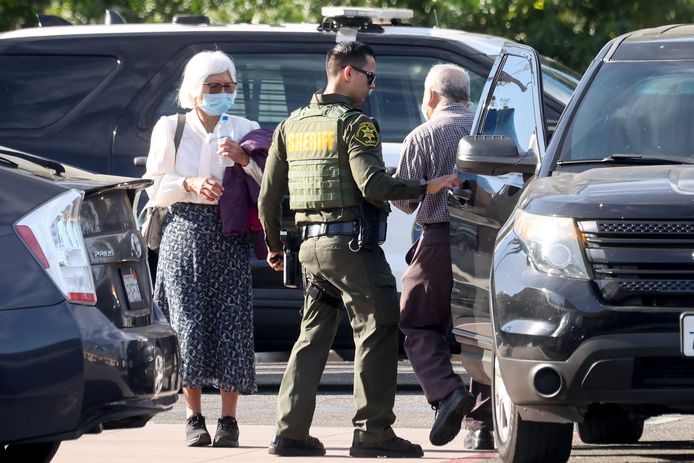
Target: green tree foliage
(571, 31)
(15, 14)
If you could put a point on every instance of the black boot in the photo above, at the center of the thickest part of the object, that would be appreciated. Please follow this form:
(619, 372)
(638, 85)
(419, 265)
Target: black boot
(449, 417)
(284, 447)
(393, 448)
(482, 439)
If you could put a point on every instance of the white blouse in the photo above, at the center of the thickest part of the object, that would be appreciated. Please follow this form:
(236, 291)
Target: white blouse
(196, 157)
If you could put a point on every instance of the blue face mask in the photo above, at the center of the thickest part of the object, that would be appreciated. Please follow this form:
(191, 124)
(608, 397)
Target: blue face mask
(215, 104)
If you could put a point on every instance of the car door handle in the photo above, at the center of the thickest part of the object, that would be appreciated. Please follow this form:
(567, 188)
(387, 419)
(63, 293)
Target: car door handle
(140, 161)
(463, 195)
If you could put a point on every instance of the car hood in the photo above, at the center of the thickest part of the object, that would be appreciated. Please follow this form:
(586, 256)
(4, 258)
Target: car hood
(644, 192)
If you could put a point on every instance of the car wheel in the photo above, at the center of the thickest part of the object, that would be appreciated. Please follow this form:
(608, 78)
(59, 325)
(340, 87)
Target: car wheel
(610, 425)
(38, 453)
(519, 441)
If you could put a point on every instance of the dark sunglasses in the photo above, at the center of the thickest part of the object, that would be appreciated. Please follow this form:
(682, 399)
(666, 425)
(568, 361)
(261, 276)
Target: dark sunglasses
(370, 76)
(214, 87)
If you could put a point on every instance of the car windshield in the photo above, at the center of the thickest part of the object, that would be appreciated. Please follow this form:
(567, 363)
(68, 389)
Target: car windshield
(558, 81)
(635, 109)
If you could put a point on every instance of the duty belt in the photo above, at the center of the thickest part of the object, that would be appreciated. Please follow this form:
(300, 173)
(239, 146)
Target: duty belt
(333, 228)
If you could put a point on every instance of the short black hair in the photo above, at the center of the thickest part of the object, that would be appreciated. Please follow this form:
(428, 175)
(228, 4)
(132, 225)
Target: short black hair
(347, 53)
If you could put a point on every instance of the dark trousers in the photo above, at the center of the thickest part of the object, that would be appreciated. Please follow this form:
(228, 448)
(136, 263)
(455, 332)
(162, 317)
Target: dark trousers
(365, 284)
(425, 313)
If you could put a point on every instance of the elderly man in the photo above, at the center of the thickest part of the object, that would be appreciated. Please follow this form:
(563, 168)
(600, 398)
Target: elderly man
(425, 305)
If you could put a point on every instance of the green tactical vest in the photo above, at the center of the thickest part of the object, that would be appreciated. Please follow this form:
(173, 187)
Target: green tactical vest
(319, 172)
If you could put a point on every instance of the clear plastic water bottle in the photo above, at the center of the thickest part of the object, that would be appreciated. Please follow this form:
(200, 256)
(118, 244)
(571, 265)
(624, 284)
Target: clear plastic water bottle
(224, 130)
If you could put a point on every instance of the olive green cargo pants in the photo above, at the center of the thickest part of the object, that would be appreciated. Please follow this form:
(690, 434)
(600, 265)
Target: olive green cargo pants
(365, 283)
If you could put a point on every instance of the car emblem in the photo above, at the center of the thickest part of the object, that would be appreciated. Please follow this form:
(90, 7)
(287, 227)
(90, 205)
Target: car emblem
(136, 245)
(104, 254)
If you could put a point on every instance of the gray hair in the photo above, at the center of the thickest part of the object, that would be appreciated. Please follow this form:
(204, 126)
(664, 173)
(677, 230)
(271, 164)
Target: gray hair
(197, 70)
(451, 82)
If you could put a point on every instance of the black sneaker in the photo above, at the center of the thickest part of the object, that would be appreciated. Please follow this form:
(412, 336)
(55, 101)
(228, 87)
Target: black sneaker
(393, 448)
(308, 447)
(449, 416)
(482, 439)
(196, 432)
(227, 434)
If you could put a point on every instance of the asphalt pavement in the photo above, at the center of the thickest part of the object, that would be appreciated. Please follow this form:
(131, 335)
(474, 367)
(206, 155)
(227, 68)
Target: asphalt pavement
(666, 438)
(161, 440)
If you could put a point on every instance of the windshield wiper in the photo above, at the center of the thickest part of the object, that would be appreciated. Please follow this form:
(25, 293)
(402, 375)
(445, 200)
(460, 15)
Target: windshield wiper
(55, 166)
(627, 159)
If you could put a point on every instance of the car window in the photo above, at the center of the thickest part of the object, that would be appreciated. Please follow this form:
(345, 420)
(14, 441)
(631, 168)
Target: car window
(510, 109)
(558, 81)
(637, 108)
(27, 98)
(397, 100)
(107, 212)
(273, 85)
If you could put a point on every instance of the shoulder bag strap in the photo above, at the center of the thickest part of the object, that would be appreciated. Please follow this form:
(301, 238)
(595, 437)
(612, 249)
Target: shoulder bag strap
(180, 124)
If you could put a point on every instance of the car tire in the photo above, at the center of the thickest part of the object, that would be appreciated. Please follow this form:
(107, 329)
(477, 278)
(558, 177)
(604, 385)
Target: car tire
(38, 453)
(610, 425)
(520, 441)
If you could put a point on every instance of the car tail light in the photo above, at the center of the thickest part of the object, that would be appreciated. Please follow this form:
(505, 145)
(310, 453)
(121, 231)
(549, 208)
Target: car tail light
(52, 233)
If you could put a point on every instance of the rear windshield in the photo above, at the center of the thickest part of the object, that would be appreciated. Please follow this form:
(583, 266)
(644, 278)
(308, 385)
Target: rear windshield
(107, 212)
(636, 108)
(37, 91)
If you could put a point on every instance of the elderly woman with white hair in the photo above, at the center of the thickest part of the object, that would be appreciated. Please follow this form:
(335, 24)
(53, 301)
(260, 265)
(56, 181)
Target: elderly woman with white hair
(203, 277)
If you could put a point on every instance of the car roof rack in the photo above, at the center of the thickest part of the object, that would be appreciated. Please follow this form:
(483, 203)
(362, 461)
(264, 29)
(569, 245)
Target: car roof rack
(113, 17)
(49, 20)
(191, 19)
(362, 18)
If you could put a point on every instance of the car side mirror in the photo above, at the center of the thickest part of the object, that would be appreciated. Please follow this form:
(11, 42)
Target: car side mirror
(493, 155)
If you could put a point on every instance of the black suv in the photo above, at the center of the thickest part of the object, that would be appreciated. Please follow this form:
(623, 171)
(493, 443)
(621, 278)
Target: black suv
(574, 262)
(82, 347)
(90, 95)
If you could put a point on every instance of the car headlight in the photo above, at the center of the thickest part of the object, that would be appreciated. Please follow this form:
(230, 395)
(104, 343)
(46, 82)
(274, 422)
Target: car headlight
(552, 244)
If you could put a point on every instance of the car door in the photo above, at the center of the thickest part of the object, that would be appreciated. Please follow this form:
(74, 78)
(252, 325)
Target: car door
(511, 111)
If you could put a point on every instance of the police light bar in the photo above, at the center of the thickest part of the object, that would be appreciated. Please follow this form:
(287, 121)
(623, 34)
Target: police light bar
(381, 14)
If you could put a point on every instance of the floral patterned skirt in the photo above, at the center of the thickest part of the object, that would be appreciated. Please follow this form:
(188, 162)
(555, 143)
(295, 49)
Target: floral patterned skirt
(204, 287)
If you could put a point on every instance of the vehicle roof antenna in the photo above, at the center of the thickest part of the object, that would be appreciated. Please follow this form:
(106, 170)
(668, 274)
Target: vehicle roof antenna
(436, 18)
(49, 20)
(113, 17)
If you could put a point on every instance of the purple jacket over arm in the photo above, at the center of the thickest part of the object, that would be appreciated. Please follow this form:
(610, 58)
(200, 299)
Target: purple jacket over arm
(238, 206)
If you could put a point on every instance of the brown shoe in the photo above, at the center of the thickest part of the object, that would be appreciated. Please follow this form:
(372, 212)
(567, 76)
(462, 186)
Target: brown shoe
(393, 448)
